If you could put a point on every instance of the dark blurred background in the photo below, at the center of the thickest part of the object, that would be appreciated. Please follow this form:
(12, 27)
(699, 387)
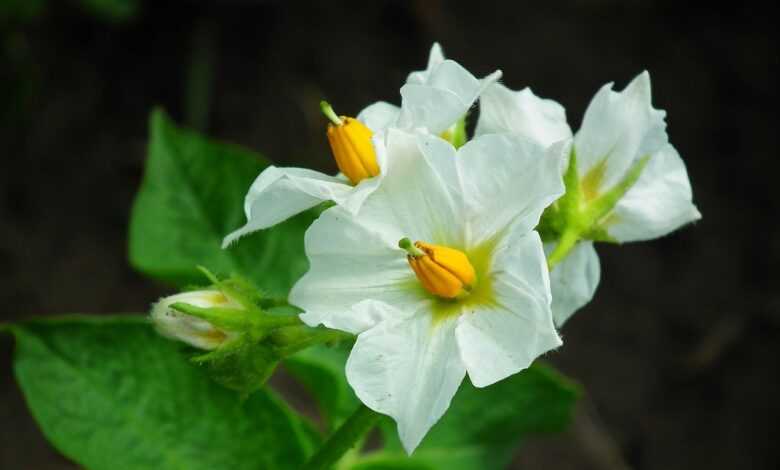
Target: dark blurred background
(679, 353)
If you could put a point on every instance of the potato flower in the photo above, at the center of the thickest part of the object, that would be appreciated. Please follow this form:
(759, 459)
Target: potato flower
(437, 274)
(434, 99)
(627, 182)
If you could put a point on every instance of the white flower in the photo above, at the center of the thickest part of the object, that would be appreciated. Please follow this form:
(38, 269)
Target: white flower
(574, 280)
(621, 131)
(433, 99)
(192, 330)
(415, 346)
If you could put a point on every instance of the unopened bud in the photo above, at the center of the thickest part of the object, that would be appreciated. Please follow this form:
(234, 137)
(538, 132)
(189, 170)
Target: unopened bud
(192, 330)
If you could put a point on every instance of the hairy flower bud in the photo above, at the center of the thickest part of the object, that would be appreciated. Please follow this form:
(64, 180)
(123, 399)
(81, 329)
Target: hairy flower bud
(187, 328)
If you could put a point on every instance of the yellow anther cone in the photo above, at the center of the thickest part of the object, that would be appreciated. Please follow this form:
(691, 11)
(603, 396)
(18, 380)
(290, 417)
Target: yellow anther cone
(443, 271)
(350, 141)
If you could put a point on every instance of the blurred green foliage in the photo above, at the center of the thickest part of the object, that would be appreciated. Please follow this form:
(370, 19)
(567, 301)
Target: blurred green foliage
(191, 197)
(110, 393)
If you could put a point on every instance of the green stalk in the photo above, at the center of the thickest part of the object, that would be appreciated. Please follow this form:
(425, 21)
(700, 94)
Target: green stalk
(345, 438)
(298, 338)
(567, 242)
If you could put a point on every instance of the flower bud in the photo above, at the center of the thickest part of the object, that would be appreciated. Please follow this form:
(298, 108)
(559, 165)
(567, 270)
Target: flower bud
(195, 331)
(443, 271)
(350, 141)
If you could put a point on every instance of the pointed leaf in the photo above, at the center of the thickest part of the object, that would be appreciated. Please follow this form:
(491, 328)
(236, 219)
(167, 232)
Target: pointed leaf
(192, 196)
(111, 394)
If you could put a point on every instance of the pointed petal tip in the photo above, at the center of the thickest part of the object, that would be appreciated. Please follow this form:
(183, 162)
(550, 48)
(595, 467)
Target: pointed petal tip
(229, 240)
(641, 85)
(436, 56)
(558, 342)
(495, 76)
(409, 443)
(695, 214)
(236, 235)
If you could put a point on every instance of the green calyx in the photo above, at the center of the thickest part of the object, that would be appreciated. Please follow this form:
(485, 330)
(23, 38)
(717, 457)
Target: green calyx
(250, 316)
(263, 331)
(236, 319)
(245, 363)
(584, 212)
(456, 134)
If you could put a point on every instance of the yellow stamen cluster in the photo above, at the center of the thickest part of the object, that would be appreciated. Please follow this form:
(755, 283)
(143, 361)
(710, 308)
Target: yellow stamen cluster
(350, 141)
(443, 271)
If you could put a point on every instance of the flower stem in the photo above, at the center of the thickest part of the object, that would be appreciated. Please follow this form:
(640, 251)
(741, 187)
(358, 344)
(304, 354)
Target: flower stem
(298, 338)
(327, 110)
(567, 242)
(406, 244)
(345, 437)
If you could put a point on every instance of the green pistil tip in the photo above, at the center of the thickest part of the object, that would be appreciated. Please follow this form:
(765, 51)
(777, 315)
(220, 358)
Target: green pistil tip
(407, 245)
(327, 110)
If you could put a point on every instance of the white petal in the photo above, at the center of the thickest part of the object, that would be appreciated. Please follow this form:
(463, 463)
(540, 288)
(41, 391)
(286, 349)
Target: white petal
(435, 57)
(574, 280)
(355, 258)
(499, 340)
(351, 263)
(356, 319)
(420, 196)
(379, 116)
(444, 97)
(408, 369)
(507, 179)
(280, 193)
(522, 113)
(658, 203)
(621, 128)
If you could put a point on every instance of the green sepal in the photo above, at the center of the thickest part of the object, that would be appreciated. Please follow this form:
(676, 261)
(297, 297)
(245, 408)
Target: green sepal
(237, 319)
(582, 213)
(242, 364)
(251, 316)
(560, 215)
(293, 339)
(456, 134)
(562, 220)
(234, 319)
(246, 362)
(239, 289)
(597, 212)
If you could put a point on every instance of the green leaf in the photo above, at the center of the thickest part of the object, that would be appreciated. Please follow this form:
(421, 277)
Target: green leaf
(111, 394)
(320, 369)
(481, 429)
(21, 11)
(192, 196)
(112, 10)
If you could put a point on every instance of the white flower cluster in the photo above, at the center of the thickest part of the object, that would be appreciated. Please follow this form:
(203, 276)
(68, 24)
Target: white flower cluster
(431, 253)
